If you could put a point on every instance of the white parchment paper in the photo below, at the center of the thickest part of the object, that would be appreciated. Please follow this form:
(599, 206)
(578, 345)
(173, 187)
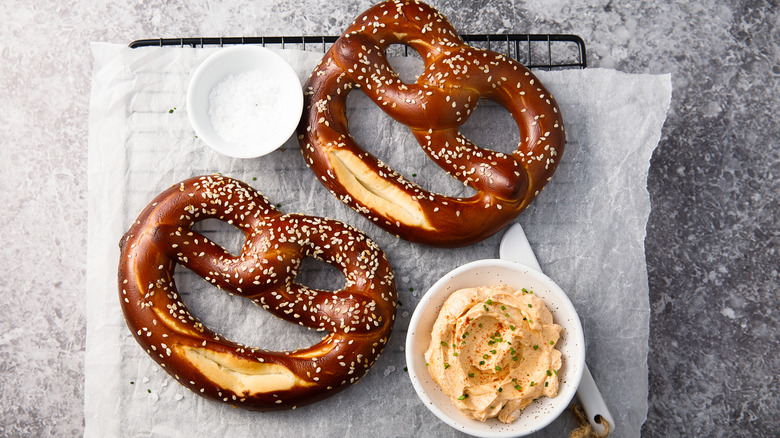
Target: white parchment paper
(587, 229)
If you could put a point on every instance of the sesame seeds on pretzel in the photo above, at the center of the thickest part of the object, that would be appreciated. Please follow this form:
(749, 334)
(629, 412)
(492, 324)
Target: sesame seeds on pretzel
(358, 318)
(443, 97)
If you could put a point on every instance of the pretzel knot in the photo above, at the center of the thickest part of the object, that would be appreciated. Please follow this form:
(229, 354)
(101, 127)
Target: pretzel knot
(443, 97)
(358, 318)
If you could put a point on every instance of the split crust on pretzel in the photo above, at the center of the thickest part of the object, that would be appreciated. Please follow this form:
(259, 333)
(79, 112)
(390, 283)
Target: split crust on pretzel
(358, 318)
(443, 97)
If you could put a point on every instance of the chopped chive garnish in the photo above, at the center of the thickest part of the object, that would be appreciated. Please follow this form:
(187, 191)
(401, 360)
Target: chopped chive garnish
(549, 373)
(514, 358)
(446, 365)
(518, 387)
(498, 368)
(482, 362)
(462, 397)
(492, 351)
(532, 383)
(556, 372)
(500, 389)
(443, 343)
(471, 374)
(530, 305)
(486, 310)
(545, 384)
(511, 327)
(489, 301)
(455, 353)
(536, 347)
(484, 356)
(406, 370)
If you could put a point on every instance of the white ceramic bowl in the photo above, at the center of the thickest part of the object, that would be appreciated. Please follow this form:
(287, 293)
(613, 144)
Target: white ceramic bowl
(283, 84)
(488, 273)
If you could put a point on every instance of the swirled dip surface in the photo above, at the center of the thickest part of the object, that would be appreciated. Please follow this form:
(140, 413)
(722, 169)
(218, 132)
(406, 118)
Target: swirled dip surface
(493, 351)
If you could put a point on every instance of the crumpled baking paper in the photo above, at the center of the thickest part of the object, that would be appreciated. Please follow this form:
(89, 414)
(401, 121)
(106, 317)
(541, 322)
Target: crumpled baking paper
(587, 229)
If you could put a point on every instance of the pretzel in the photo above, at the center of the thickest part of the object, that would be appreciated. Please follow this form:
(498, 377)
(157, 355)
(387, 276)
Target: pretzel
(443, 97)
(359, 317)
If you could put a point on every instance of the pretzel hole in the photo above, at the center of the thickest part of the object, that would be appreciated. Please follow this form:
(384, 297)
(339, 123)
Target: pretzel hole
(316, 274)
(232, 316)
(491, 126)
(406, 62)
(393, 143)
(237, 318)
(222, 233)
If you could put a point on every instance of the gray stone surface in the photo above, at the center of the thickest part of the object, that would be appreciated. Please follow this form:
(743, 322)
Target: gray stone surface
(712, 238)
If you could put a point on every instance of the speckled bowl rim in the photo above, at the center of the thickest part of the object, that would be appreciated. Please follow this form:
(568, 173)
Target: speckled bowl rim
(490, 272)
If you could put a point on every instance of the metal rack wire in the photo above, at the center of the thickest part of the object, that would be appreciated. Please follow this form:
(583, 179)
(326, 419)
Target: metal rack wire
(537, 51)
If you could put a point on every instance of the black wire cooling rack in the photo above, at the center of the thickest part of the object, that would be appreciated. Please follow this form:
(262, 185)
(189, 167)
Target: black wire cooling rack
(538, 51)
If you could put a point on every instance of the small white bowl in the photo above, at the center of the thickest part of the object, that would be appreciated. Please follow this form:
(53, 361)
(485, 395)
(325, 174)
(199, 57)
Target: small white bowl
(283, 83)
(488, 273)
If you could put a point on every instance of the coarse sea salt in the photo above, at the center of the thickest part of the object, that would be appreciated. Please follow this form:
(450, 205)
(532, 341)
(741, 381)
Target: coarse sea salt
(243, 107)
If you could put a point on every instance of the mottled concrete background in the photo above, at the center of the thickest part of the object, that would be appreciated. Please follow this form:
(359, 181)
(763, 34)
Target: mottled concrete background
(712, 239)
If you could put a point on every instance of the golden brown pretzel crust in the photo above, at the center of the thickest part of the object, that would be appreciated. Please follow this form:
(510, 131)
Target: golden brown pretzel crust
(434, 107)
(359, 317)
